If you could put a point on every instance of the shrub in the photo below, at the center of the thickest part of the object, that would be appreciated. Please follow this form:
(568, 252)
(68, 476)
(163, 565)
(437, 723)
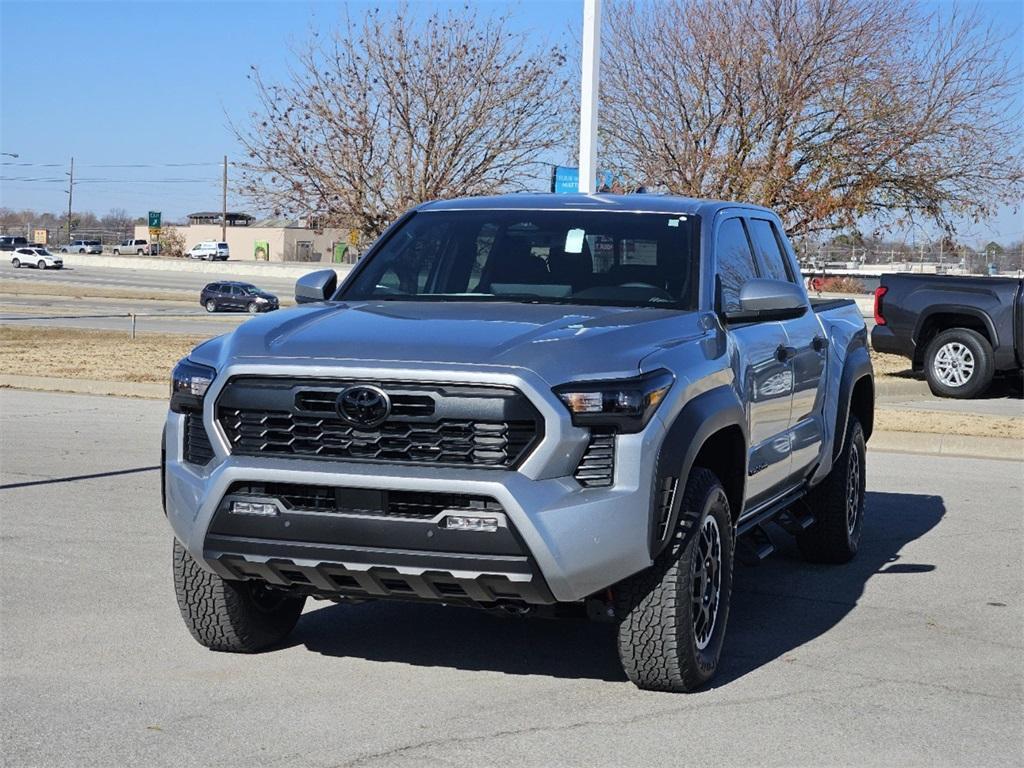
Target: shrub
(839, 284)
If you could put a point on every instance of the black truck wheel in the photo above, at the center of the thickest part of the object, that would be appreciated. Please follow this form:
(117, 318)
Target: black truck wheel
(837, 504)
(674, 614)
(959, 363)
(234, 616)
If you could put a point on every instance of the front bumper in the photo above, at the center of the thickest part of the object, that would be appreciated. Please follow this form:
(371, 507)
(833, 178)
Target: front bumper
(575, 541)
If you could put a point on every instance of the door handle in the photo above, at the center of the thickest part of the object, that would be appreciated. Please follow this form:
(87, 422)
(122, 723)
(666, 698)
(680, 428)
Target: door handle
(820, 343)
(784, 353)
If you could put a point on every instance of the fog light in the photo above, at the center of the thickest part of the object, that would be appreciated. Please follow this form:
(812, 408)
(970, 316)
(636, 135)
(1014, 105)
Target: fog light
(466, 523)
(253, 508)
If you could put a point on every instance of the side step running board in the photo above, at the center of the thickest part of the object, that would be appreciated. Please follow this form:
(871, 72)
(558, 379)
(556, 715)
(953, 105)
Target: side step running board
(792, 522)
(754, 546)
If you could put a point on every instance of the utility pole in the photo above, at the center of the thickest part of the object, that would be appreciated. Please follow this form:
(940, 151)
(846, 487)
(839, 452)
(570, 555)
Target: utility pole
(224, 204)
(588, 95)
(71, 190)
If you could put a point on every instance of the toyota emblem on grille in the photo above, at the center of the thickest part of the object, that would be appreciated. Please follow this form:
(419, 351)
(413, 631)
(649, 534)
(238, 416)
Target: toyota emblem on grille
(363, 405)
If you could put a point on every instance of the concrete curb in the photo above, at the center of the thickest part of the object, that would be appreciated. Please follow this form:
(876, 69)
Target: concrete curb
(147, 390)
(898, 388)
(967, 446)
(881, 442)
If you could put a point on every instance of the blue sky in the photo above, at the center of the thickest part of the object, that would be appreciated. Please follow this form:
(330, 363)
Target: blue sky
(155, 83)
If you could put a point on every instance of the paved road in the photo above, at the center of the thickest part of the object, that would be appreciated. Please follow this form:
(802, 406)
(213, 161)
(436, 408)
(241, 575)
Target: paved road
(118, 277)
(909, 656)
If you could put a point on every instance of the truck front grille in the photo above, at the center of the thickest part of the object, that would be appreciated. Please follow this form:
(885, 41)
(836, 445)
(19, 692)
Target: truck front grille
(435, 424)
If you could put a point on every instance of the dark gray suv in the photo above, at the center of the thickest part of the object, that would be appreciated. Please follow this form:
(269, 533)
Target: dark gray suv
(232, 296)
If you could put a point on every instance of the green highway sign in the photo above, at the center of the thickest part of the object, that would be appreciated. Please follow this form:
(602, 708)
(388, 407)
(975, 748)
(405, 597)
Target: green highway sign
(154, 219)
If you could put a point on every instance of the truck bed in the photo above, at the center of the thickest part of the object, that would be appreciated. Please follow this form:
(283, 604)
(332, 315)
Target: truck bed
(825, 305)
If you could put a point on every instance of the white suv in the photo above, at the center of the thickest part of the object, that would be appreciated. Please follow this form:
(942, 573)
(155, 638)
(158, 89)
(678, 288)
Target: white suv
(210, 250)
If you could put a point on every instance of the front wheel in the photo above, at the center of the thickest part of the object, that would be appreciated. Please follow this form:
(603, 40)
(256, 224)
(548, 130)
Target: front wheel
(959, 363)
(40, 264)
(232, 616)
(674, 614)
(252, 309)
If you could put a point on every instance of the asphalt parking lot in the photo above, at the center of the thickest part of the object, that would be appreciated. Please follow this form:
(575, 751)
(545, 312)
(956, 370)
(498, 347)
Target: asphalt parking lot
(911, 655)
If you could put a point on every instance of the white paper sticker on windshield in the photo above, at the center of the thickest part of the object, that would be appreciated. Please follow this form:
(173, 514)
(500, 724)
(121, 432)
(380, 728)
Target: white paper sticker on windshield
(574, 240)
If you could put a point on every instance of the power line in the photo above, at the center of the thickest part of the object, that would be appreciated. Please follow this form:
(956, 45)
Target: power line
(116, 165)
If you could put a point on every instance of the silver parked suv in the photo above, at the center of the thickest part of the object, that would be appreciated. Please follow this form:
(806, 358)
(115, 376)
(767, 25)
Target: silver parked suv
(533, 404)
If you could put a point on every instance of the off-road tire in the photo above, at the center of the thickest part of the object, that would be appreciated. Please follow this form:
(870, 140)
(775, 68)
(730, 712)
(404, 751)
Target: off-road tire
(980, 352)
(657, 640)
(229, 615)
(833, 537)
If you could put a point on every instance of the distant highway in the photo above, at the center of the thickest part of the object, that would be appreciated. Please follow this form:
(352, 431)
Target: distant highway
(184, 316)
(142, 279)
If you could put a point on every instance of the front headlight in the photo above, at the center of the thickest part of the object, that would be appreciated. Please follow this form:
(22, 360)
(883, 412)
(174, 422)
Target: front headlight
(189, 382)
(626, 404)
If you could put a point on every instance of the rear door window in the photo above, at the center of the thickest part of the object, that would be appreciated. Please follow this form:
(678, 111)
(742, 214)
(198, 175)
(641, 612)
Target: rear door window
(735, 262)
(770, 257)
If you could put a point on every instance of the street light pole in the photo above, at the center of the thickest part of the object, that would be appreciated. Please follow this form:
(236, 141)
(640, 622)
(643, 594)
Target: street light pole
(588, 95)
(224, 203)
(71, 190)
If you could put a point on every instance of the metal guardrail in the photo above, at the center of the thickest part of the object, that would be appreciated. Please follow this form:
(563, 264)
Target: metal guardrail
(131, 316)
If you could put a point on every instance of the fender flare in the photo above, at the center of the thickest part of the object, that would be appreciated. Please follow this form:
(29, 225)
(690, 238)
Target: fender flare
(856, 367)
(701, 418)
(954, 309)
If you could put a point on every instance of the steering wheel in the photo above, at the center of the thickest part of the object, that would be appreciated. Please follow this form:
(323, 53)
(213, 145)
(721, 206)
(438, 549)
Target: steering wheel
(657, 292)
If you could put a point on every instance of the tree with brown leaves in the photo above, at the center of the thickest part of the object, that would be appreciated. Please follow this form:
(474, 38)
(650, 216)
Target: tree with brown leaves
(395, 110)
(824, 110)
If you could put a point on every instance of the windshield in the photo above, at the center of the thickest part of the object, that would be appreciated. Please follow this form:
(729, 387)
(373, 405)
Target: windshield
(556, 257)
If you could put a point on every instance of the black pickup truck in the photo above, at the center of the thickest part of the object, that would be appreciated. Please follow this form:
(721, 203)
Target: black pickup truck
(960, 331)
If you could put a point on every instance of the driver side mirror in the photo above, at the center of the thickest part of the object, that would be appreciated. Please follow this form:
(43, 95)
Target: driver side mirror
(764, 299)
(316, 286)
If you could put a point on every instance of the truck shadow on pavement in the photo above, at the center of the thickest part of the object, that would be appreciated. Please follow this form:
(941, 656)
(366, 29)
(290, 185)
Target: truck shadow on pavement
(777, 606)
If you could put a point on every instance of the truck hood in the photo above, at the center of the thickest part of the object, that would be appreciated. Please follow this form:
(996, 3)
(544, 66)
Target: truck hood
(557, 342)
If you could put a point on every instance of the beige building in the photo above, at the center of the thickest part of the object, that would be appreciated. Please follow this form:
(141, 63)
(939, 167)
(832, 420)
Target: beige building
(266, 240)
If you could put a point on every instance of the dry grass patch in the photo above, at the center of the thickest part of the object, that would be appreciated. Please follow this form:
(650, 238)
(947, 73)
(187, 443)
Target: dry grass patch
(72, 353)
(890, 365)
(945, 423)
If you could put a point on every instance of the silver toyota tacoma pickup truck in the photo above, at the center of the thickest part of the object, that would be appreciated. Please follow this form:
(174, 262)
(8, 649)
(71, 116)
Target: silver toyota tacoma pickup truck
(553, 405)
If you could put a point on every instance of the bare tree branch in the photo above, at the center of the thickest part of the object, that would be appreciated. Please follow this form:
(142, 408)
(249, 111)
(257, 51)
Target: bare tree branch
(825, 110)
(394, 110)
